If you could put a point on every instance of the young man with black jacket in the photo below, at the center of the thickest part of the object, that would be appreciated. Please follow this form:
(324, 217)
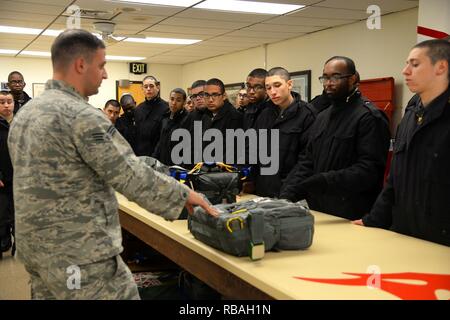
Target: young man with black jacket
(6, 173)
(341, 171)
(257, 96)
(221, 115)
(126, 124)
(293, 118)
(173, 119)
(416, 198)
(148, 117)
(16, 84)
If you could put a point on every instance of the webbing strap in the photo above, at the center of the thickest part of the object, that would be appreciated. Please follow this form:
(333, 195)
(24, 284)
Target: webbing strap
(256, 227)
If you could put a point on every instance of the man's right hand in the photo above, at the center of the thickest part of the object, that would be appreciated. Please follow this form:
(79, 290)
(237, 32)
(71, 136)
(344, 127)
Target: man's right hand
(358, 222)
(195, 199)
(1, 184)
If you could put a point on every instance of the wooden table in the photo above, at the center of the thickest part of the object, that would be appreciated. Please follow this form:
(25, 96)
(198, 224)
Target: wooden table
(344, 262)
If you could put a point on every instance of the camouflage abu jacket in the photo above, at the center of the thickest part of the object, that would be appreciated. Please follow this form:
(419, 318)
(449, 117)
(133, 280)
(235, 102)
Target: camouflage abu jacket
(69, 160)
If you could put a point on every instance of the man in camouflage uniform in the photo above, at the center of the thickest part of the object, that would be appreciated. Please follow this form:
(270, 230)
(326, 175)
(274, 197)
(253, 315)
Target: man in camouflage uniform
(68, 160)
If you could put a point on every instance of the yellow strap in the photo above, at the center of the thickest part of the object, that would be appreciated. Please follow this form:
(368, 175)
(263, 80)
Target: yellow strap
(196, 168)
(232, 219)
(239, 211)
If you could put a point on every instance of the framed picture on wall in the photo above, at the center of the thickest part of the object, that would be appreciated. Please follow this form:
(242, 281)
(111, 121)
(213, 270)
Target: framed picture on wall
(302, 84)
(232, 90)
(38, 88)
(4, 86)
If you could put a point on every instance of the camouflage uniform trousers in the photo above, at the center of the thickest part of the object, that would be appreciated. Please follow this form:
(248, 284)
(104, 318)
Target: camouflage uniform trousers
(110, 279)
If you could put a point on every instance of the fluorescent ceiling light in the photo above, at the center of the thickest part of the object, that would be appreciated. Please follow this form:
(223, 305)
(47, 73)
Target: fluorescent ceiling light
(248, 6)
(32, 31)
(162, 40)
(172, 3)
(8, 51)
(36, 53)
(47, 54)
(55, 33)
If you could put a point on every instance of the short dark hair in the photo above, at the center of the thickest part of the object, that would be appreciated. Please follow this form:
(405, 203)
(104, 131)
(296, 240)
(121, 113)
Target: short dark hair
(13, 73)
(279, 71)
(198, 83)
(350, 64)
(258, 73)
(112, 102)
(180, 91)
(216, 82)
(5, 92)
(74, 43)
(126, 100)
(438, 49)
(152, 78)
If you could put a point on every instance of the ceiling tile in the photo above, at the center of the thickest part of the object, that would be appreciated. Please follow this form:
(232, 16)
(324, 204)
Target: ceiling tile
(222, 16)
(304, 21)
(385, 6)
(204, 23)
(271, 28)
(329, 13)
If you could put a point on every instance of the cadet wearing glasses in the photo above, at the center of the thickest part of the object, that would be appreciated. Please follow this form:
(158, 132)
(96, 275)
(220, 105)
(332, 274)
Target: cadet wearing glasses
(341, 171)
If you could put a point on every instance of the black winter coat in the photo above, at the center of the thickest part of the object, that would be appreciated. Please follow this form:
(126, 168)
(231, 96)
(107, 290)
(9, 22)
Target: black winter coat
(20, 102)
(126, 125)
(164, 148)
(321, 102)
(345, 159)
(416, 199)
(293, 125)
(6, 169)
(148, 116)
(252, 113)
(227, 118)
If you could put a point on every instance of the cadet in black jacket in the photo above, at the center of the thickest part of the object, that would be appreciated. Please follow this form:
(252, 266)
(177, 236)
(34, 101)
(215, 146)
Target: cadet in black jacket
(126, 124)
(416, 199)
(198, 100)
(257, 96)
(293, 118)
(148, 117)
(221, 115)
(173, 119)
(16, 84)
(341, 171)
(6, 172)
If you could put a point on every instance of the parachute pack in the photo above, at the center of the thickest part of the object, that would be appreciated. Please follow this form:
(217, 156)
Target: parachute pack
(250, 228)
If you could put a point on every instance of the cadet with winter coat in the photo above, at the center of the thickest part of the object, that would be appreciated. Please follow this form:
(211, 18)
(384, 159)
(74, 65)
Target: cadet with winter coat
(292, 117)
(416, 198)
(148, 117)
(341, 171)
(174, 119)
(6, 173)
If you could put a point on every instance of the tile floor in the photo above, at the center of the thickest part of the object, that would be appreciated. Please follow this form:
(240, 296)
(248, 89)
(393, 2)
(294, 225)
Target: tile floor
(13, 279)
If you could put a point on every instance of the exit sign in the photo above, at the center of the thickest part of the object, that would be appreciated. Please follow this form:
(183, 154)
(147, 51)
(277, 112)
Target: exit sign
(138, 67)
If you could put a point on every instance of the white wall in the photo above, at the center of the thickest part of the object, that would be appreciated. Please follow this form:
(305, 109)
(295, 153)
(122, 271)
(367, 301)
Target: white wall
(377, 53)
(229, 68)
(39, 70)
